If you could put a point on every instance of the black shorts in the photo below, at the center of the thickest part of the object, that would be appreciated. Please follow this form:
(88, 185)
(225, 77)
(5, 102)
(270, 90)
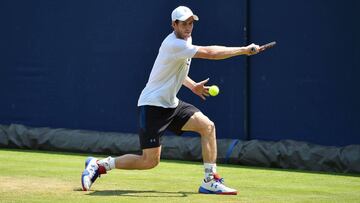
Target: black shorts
(154, 121)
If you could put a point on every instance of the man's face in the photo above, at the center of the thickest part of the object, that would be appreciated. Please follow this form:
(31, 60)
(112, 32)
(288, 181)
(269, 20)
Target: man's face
(183, 29)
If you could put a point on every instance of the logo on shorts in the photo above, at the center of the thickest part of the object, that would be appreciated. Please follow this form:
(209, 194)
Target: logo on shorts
(152, 140)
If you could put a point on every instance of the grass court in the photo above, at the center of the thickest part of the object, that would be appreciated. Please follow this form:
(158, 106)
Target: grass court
(41, 176)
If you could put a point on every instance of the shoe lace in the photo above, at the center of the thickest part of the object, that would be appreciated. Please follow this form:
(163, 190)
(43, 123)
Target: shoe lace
(217, 178)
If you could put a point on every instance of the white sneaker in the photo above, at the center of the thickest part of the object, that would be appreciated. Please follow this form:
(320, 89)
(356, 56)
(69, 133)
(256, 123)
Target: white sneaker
(216, 186)
(91, 173)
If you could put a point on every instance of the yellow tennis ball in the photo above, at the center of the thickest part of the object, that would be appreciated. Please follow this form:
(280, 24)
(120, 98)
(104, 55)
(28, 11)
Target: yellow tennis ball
(214, 90)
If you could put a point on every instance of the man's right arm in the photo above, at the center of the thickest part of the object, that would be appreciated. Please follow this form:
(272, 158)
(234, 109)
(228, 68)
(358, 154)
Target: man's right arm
(221, 52)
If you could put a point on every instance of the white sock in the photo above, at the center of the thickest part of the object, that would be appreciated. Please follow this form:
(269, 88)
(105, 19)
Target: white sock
(108, 163)
(210, 169)
(112, 163)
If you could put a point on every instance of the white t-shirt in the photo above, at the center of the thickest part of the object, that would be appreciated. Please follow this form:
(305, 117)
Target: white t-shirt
(168, 73)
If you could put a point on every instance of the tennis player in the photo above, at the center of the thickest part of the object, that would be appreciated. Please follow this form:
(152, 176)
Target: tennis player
(160, 109)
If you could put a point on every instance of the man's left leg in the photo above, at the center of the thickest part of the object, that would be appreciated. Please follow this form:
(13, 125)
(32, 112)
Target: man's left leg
(212, 183)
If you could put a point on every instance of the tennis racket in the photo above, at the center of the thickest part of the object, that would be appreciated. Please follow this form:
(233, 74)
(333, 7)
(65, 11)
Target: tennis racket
(264, 47)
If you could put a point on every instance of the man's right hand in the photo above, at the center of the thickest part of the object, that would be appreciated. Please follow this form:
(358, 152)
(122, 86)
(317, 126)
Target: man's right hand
(252, 49)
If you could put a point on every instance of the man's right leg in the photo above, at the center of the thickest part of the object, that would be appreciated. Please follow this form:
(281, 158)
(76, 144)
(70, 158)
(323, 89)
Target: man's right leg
(150, 158)
(153, 122)
(94, 167)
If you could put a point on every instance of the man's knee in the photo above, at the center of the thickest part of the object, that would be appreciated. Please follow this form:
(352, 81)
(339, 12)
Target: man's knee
(201, 124)
(151, 160)
(209, 127)
(206, 126)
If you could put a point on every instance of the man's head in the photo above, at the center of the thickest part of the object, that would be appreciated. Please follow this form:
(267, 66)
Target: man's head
(182, 21)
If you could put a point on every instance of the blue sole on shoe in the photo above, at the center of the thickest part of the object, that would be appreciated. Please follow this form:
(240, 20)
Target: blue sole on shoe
(205, 191)
(87, 161)
(84, 173)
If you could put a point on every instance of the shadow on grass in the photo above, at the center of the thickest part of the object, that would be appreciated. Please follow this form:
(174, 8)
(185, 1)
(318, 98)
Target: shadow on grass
(140, 193)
